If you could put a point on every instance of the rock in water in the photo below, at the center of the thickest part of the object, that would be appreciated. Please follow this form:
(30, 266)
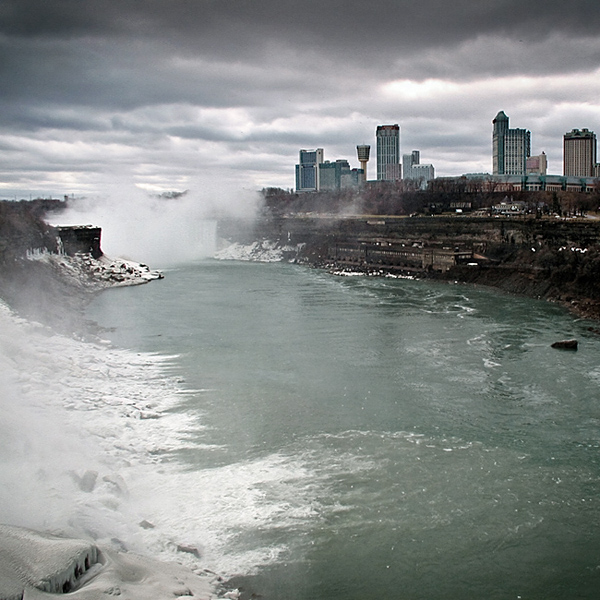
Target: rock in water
(565, 345)
(188, 549)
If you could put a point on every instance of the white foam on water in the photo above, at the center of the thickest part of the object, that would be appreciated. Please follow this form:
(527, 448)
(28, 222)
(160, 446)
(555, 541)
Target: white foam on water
(71, 408)
(88, 442)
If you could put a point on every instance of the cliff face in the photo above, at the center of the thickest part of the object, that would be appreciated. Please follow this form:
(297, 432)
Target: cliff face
(549, 258)
(21, 229)
(481, 231)
(84, 239)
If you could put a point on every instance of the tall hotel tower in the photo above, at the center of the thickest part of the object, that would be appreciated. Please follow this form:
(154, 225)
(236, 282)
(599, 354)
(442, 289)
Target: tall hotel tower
(510, 147)
(308, 174)
(388, 152)
(579, 153)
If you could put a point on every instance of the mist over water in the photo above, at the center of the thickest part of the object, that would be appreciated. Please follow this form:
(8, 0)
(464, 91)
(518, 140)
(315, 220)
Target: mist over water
(76, 419)
(157, 230)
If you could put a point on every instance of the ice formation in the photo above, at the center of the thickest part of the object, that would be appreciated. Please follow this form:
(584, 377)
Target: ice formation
(33, 564)
(29, 559)
(82, 270)
(265, 251)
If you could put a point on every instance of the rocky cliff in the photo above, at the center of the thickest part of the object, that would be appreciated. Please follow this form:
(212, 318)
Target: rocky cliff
(48, 273)
(551, 258)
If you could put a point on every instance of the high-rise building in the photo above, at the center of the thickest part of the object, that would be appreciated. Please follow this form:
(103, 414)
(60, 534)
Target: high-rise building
(413, 169)
(579, 153)
(408, 161)
(500, 128)
(308, 170)
(388, 152)
(510, 147)
(517, 149)
(335, 175)
(537, 164)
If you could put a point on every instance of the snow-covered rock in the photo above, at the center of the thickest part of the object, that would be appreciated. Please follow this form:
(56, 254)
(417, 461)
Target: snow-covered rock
(84, 271)
(260, 251)
(33, 565)
(44, 562)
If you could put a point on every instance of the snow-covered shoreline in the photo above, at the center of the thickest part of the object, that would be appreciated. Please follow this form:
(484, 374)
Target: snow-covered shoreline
(94, 274)
(75, 491)
(260, 251)
(37, 565)
(45, 418)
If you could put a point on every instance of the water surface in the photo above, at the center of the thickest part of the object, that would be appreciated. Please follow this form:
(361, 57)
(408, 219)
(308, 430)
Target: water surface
(359, 438)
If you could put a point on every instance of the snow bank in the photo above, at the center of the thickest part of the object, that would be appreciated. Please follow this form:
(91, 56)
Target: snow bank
(264, 251)
(48, 563)
(32, 563)
(84, 271)
(82, 426)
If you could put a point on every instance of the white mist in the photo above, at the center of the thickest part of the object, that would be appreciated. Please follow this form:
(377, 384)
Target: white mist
(160, 231)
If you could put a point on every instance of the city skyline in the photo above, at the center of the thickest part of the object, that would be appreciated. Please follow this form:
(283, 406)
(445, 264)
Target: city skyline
(221, 95)
(510, 155)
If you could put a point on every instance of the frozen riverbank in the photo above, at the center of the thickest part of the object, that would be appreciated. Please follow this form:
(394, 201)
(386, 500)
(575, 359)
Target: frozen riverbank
(35, 565)
(83, 428)
(95, 274)
(71, 463)
(53, 288)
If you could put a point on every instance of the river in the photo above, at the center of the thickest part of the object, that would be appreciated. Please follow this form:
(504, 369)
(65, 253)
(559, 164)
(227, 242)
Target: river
(356, 438)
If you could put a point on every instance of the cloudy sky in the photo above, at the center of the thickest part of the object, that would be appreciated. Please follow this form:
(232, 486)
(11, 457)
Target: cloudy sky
(178, 94)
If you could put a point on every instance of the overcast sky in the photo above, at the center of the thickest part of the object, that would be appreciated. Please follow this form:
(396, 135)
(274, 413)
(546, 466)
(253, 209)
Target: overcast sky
(173, 94)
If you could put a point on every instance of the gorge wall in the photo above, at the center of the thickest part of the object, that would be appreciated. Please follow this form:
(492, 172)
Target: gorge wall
(551, 258)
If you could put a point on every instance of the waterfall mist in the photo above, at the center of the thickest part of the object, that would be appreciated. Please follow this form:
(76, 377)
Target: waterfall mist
(161, 230)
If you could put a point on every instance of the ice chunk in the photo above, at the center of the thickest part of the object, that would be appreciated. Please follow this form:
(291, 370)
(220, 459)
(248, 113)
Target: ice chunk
(33, 564)
(45, 562)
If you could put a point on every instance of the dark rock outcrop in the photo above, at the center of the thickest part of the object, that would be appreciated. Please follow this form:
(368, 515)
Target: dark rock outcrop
(565, 345)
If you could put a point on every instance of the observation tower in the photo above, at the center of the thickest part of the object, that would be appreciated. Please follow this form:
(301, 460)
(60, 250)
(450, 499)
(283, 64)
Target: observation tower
(363, 151)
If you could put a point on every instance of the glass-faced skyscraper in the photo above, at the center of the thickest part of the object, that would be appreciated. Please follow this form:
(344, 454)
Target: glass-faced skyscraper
(388, 152)
(307, 170)
(510, 147)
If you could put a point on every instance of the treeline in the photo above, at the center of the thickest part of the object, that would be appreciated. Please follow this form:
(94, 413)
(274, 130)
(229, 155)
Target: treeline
(22, 227)
(400, 198)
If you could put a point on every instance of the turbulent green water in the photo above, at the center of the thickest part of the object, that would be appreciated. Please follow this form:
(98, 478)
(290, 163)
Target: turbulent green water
(380, 438)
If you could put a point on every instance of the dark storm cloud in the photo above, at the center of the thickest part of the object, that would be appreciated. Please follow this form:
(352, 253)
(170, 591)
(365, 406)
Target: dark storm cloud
(198, 18)
(244, 29)
(152, 81)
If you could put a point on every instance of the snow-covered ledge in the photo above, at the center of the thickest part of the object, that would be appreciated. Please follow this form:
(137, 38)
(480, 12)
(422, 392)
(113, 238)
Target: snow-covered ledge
(84, 271)
(45, 562)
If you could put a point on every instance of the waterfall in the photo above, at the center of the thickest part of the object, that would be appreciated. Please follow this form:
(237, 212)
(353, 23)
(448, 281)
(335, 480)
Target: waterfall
(207, 237)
